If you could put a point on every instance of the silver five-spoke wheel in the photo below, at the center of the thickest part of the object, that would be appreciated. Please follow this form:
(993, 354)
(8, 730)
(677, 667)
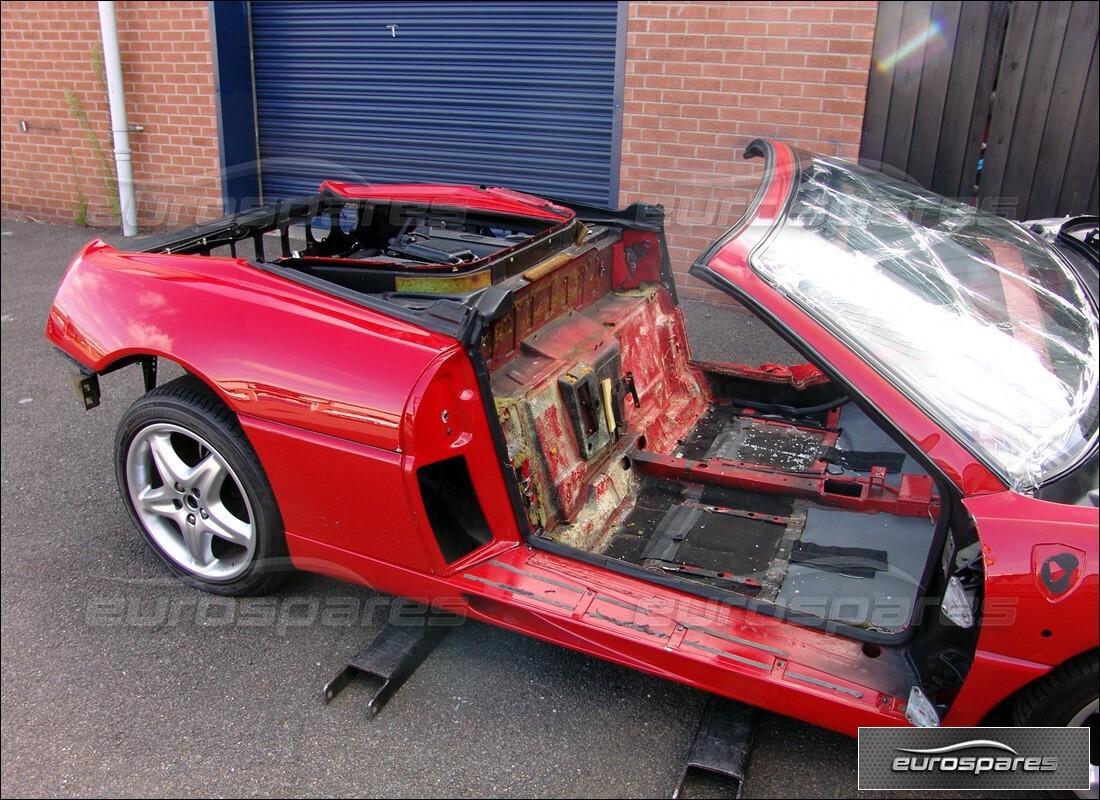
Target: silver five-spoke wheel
(197, 491)
(190, 501)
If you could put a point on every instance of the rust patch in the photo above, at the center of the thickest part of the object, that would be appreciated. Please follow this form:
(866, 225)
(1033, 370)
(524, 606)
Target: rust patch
(575, 501)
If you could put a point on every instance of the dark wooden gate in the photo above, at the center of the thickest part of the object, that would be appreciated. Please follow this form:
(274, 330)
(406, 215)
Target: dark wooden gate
(993, 103)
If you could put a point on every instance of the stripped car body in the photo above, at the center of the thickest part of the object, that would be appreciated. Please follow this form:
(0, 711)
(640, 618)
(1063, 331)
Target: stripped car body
(487, 400)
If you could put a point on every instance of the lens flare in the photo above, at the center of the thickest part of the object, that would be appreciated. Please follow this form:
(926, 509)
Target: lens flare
(915, 43)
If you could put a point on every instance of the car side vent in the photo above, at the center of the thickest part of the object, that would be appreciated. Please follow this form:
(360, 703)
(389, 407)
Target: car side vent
(453, 510)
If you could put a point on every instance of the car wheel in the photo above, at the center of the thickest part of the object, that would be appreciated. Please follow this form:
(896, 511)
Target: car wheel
(1070, 697)
(196, 490)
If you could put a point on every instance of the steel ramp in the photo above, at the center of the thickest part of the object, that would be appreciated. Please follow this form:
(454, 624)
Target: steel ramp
(389, 659)
(719, 756)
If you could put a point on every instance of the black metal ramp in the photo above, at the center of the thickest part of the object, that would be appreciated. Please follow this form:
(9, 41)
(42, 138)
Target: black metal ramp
(392, 657)
(719, 756)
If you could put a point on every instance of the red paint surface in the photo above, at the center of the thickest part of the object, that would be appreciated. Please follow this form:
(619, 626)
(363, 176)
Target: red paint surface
(272, 348)
(493, 200)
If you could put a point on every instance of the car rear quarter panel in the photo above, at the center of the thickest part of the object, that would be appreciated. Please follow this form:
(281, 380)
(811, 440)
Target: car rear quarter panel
(446, 417)
(271, 348)
(321, 385)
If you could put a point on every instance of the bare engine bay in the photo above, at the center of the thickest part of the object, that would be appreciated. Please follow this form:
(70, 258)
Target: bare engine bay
(379, 249)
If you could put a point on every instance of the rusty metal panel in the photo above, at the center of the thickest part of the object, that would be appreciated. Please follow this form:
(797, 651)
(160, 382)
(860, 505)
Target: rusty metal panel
(574, 285)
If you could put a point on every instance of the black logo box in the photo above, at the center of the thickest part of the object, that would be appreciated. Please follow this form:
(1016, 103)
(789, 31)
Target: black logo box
(1053, 759)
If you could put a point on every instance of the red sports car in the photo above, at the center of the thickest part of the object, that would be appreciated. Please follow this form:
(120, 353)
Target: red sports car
(487, 401)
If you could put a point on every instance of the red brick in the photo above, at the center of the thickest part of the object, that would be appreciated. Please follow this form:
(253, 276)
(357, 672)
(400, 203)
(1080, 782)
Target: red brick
(738, 86)
(706, 55)
(645, 10)
(725, 41)
(803, 13)
(866, 14)
(667, 25)
(836, 30)
(781, 88)
(706, 26)
(802, 104)
(827, 60)
(789, 59)
(649, 39)
(803, 75)
(664, 82)
(766, 12)
(851, 107)
(684, 10)
(852, 77)
(794, 32)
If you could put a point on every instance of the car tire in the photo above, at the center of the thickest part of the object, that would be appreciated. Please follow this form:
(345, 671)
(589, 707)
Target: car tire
(195, 488)
(1067, 697)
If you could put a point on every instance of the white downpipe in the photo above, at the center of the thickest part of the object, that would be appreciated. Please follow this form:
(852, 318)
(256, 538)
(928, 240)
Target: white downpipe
(120, 128)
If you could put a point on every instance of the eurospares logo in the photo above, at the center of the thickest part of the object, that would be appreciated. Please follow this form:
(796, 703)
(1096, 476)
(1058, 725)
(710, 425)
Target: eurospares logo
(954, 758)
(974, 758)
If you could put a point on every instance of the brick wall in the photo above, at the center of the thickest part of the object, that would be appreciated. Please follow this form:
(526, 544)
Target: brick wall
(705, 78)
(49, 55)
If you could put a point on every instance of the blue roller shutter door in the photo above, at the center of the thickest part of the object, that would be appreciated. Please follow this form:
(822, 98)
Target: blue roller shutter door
(511, 94)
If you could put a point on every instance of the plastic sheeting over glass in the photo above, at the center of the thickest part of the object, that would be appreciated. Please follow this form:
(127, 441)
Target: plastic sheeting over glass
(975, 320)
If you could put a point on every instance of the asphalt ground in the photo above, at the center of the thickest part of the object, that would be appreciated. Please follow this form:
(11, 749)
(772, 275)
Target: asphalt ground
(118, 680)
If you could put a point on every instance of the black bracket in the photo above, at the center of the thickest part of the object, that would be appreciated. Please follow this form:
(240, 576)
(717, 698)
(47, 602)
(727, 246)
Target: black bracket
(392, 656)
(719, 755)
(626, 387)
(580, 391)
(87, 388)
(149, 372)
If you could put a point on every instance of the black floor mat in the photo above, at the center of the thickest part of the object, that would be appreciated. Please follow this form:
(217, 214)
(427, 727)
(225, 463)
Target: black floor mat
(773, 504)
(696, 444)
(731, 544)
(884, 597)
(703, 529)
(631, 537)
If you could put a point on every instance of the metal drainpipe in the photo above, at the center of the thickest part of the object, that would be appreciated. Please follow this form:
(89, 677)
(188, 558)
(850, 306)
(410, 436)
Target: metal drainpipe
(120, 129)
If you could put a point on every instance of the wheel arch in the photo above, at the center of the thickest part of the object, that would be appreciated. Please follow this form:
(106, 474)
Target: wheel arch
(152, 361)
(1004, 709)
(1088, 651)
